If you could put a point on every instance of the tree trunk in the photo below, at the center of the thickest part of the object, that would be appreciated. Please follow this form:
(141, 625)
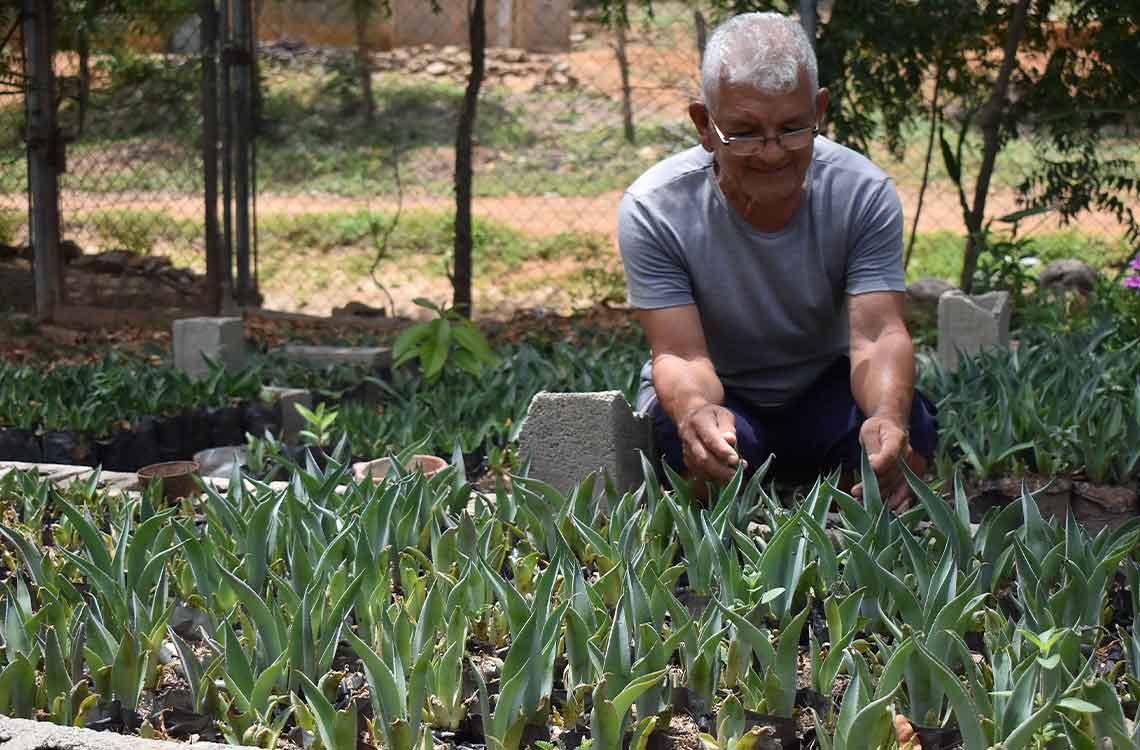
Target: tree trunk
(362, 11)
(934, 112)
(702, 33)
(461, 279)
(623, 65)
(990, 122)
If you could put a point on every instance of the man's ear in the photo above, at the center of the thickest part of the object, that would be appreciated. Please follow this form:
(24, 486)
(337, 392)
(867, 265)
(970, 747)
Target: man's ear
(822, 98)
(699, 114)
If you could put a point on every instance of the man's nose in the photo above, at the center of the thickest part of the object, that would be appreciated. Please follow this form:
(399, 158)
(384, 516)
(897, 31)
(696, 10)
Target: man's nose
(772, 152)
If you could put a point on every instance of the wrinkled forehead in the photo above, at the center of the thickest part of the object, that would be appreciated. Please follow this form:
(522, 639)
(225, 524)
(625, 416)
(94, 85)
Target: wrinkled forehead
(746, 101)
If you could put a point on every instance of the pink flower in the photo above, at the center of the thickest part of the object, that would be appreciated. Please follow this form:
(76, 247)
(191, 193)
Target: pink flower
(1135, 263)
(1132, 282)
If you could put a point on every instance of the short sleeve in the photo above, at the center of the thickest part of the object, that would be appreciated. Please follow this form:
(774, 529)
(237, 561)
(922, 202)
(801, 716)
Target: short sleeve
(655, 275)
(874, 261)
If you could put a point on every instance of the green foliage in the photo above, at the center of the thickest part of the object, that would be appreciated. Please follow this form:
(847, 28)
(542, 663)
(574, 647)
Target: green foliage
(430, 581)
(11, 222)
(447, 340)
(1060, 402)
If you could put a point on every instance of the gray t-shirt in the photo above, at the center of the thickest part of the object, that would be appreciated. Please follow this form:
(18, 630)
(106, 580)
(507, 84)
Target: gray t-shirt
(773, 305)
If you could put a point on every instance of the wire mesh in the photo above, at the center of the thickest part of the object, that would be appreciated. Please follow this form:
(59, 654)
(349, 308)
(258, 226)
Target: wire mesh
(354, 185)
(131, 196)
(553, 152)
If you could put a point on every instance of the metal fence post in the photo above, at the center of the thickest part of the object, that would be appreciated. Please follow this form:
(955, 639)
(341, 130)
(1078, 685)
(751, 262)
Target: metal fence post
(243, 49)
(45, 155)
(215, 268)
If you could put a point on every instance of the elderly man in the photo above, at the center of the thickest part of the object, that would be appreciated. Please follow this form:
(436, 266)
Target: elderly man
(766, 268)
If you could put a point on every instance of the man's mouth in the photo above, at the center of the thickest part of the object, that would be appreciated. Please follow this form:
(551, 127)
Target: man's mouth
(771, 171)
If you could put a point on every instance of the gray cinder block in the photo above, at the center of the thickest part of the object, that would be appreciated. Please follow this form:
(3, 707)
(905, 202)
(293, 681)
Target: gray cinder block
(373, 357)
(969, 324)
(569, 435)
(221, 339)
(291, 420)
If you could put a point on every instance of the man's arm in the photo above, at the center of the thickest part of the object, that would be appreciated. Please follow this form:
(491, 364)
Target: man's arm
(690, 391)
(882, 381)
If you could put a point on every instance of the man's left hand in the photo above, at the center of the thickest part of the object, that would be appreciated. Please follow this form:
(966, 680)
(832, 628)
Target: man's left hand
(886, 442)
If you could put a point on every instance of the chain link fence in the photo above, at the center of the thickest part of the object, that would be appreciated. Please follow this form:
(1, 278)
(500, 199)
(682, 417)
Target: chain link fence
(561, 132)
(354, 198)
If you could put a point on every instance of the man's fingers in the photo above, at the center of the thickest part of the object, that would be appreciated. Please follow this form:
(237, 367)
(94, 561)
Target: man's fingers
(900, 499)
(713, 438)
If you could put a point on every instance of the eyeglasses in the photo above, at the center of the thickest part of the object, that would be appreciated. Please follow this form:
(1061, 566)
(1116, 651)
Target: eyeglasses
(750, 145)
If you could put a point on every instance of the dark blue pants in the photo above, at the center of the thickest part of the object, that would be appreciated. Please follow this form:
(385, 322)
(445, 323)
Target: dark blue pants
(811, 436)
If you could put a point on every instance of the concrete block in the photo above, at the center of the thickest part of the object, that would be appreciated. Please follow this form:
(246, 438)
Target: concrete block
(291, 420)
(569, 435)
(542, 25)
(969, 324)
(24, 734)
(372, 357)
(221, 339)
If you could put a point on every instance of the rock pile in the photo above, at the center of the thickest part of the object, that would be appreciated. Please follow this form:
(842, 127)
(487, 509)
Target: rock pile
(155, 267)
(516, 69)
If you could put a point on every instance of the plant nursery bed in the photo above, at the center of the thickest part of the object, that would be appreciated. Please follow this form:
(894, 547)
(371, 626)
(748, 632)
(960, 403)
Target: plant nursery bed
(414, 612)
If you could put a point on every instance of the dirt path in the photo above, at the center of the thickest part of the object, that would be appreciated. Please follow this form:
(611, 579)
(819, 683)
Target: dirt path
(547, 215)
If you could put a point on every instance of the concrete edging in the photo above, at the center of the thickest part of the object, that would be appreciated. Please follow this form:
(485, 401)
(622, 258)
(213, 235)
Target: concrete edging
(24, 734)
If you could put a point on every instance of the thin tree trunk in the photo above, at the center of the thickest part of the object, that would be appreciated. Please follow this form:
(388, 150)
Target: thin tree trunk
(361, 13)
(461, 280)
(623, 66)
(990, 122)
(926, 164)
(702, 33)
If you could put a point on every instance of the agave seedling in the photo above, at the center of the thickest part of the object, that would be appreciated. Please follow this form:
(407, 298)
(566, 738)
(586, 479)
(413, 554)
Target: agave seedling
(527, 676)
(336, 728)
(700, 657)
(1065, 583)
(731, 731)
(398, 697)
(446, 704)
(864, 720)
(252, 701)
(943, 609)
(842, 626)
(773, 690)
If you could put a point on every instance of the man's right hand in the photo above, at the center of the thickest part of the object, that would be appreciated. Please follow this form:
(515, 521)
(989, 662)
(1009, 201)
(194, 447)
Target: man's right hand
(708, 443)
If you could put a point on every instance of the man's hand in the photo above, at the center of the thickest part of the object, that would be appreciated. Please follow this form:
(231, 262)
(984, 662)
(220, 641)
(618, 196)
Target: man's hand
(708, 440)
(886, 442)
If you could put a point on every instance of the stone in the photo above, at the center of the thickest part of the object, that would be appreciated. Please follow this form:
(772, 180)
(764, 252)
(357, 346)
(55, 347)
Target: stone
(1104, 506)
(969, 324)
(186, 39)
(112, 261)
(291, 420)
(25, 734)
(219, 339)
(921, 304)
(356, 309)
(1069, 275)
(373, 357)
(437, 68)
(568, 435)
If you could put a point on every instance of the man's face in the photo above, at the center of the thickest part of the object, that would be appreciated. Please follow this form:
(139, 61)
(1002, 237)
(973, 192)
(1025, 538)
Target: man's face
(771, 174)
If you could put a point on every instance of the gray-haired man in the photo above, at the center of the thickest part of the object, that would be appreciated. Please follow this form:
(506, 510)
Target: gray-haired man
(766, 268)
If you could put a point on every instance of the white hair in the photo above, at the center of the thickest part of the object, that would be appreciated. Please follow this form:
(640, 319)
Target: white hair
(766, 50)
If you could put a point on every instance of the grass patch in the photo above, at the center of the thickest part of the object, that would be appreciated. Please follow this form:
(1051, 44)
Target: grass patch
(138, 230)
(310, 141)
(345, 243)
(939, 254)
